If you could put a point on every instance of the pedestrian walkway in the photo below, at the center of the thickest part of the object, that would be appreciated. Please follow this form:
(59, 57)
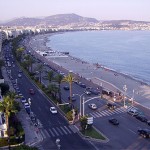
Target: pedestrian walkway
(58, 131)
(105, 113)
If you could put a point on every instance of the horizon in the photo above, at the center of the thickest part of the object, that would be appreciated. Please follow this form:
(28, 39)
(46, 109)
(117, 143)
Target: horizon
(100, 10)
(41, 17)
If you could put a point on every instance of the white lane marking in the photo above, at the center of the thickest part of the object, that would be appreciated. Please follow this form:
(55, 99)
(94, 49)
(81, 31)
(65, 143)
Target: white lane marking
(132, 131)
(67, 129)
(46, 133)
(59, 131)
(64, 130)
(73, 129)
(43, 134)
(55, 131)
(99, 114)
(92, 115)
(51, 133)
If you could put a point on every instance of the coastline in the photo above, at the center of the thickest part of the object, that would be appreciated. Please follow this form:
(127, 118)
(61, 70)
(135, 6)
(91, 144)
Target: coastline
(91, 71)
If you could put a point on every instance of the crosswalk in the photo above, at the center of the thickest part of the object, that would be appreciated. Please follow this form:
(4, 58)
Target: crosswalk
(107, 112)
(57, 131)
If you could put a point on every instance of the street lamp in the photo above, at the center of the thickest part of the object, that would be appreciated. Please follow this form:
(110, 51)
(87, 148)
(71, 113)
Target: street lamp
(80, 102)
(133, 97)
(125, 89)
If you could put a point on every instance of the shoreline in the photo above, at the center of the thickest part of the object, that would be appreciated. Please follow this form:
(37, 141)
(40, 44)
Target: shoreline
(83, 68)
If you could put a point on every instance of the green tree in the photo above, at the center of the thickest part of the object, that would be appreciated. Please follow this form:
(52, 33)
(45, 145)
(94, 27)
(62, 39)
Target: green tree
(19, 53)
(7, 106)
(69, 79)
(52, 89)
(59, 79)
(50, 76)
(29, 62)
(40, 69)
(24, 147)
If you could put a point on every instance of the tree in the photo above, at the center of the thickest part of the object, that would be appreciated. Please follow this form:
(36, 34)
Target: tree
(59, 79)
(50, 76)
(52, 89)
(19, 53)
(40, 69)
(69, 79)
(1, 63)
(7, 106)
(29, 61)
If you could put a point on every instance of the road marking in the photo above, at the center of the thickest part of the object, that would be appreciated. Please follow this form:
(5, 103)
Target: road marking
(59, 131)
(92, 115)
(46, 133)
(132, 131)
(64, 130)
(51, 133)
(55, 131)
(73, 128)
(67, 129)
(42, 134)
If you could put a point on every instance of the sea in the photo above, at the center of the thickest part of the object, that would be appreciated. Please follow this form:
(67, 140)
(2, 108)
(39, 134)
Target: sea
(127, 52)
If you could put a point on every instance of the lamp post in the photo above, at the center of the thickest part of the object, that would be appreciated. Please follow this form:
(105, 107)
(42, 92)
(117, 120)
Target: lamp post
(133, 97)
(80, 102)
(125, 89)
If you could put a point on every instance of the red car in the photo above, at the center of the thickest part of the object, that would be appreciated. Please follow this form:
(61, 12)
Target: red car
(31, 91)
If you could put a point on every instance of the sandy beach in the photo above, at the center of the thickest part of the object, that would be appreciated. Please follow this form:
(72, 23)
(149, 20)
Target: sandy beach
(98, 74)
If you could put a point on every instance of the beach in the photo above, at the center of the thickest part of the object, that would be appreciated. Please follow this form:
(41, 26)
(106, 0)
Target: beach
(95, 73)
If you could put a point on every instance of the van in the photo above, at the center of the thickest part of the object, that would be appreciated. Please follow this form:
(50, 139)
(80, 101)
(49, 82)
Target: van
(133, 112)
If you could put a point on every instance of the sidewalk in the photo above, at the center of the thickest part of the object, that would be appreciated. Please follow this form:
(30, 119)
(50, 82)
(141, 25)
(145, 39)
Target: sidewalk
(32, 135)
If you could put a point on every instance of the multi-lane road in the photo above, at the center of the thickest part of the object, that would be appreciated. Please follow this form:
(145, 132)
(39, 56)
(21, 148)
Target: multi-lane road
(53, 126)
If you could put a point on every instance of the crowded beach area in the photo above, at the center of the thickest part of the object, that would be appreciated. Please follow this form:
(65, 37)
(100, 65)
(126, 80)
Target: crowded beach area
(96, 73)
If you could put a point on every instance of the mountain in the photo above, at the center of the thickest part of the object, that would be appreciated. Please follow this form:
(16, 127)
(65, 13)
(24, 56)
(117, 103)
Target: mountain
(55, 20)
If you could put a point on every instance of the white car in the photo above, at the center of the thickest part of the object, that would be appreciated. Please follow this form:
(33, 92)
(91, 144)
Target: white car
(92, 106)
(53, 110)
(19, 75)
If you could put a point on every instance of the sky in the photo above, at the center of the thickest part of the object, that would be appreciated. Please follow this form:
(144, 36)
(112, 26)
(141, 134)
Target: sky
(99, 9)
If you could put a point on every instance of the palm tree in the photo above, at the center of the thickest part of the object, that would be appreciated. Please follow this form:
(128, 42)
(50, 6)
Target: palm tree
(7, 106)
(50, 76)
(30, 61)
(69, 79)
(1, 63)
(59, 79)
(52, 89)
(40, 69)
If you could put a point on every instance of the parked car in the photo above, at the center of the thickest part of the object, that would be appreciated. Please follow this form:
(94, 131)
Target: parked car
(141, 118)
(111, 105)
(113, 121)
(92, 106)
(23, 100)
(19, 75)
(144, 132)
(72, 98)
(94, 91)
(148, 122)
(31, 91)
(66, 87)
(83, 85)
(53, 110)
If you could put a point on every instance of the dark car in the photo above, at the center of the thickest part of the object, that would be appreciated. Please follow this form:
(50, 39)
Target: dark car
(66, 87)
(31, 91)
(72, 98)
(95, 92)
(111, 106)
(83, 85)
(148, 122)
(141, 118)
(144, 132)
(113, 121)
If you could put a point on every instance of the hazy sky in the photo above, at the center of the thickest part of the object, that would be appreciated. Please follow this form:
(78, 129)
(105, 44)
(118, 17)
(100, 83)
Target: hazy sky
(99, 9)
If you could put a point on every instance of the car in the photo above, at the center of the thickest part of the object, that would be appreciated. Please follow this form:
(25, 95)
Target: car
(20, 71)
(83, 85)
(19, 75)
(26, 105)
(94, 91)
(66, 87)
(72, 98)
(113, 121)
(148, 122)
(31, 91)
(144, 132)
(133, 112)
(141, 118)
(53, 110)
(111, 105)
(87, 92)
(92, 106)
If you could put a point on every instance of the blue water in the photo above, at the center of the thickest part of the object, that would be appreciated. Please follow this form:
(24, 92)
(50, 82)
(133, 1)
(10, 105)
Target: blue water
(124, 51)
